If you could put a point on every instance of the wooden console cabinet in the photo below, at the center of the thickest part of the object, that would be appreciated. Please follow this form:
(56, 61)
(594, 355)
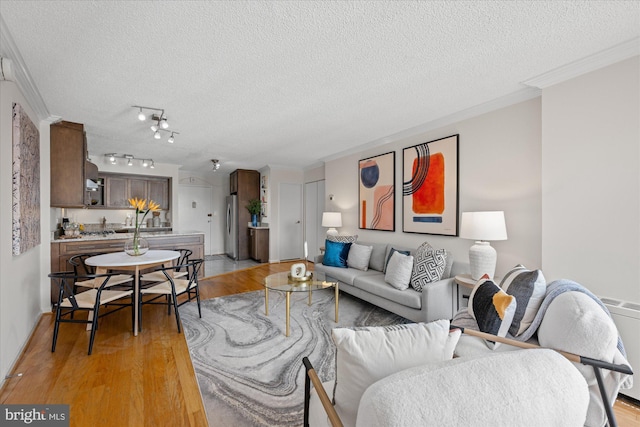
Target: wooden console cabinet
(259, 244)
(245, 184)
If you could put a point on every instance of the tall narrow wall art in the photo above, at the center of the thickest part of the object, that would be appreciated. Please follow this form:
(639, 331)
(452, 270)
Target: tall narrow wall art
(377, 206)
(25, 182)
(430, 187)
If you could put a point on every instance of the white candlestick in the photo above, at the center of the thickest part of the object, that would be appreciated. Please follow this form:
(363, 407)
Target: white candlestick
(306, 251)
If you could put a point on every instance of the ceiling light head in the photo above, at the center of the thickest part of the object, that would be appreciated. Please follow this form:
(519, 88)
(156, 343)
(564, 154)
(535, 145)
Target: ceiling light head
(156, 135)
(129, 163)
(141, 116)
(152, 166)
(216, 164)
(145, 163)
(154, 128)
(171, 139)
(164, 124)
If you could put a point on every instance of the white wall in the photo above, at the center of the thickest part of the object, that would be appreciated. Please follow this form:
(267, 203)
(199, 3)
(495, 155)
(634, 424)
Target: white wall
(591, 180)
(499, 169)
(24, 287)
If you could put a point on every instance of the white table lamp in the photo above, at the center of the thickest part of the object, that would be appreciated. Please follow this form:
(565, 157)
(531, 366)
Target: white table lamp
(481, 227)
(332, 220)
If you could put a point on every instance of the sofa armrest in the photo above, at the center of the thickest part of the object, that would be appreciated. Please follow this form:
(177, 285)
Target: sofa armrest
(438, 300)
(318, 259)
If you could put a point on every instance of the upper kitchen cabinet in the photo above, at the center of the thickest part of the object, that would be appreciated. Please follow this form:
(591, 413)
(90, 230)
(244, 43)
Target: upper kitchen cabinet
(120, 188)
(69, 166)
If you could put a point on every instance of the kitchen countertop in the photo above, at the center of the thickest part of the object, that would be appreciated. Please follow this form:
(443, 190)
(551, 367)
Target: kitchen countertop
(260, 227)
(120, 236)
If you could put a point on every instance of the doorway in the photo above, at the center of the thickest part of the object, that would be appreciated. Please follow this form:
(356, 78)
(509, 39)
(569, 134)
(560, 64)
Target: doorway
(290, 221)
(195, 211)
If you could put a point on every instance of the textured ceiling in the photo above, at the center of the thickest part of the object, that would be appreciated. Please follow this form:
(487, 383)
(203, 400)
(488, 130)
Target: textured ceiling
(260, 83)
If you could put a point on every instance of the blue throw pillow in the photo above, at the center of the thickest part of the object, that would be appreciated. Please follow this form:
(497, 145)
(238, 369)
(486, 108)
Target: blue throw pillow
(336, 254)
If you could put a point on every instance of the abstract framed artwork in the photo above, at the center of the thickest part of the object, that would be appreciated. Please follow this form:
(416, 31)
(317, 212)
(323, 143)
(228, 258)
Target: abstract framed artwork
(25, 182)
(430, 187)
(376, 192)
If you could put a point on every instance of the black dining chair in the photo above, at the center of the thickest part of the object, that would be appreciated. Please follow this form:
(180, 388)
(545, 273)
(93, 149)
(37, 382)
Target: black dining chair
(80, 268)
(89, 301)
(157, 276)
(172, 287)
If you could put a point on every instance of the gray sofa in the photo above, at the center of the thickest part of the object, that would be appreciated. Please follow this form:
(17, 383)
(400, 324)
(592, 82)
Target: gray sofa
(435, 302)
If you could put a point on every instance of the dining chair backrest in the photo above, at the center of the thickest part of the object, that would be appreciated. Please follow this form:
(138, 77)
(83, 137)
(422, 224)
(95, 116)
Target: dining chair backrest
(192, 268)
(79, 265)
(66, 281)
(184, 257)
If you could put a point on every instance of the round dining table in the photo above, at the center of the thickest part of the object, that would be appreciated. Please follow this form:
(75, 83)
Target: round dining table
(123, 261)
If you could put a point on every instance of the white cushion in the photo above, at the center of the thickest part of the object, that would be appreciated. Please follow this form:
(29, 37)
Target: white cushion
(399, 270)
(529, 287)
(365, 355)
(359, 256)
(518, 388)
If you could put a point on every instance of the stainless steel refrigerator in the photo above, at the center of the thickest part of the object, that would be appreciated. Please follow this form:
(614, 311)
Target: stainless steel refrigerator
(231, 231)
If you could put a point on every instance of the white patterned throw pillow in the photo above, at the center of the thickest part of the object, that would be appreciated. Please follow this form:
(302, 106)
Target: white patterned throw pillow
(428, 266)
(342, 239)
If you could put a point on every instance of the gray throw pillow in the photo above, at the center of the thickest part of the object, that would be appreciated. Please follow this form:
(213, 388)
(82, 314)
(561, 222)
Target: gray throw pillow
(359, 256)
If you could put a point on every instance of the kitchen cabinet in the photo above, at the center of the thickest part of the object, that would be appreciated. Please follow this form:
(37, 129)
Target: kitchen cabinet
(119, 188)
(62, 250)
(259, 244)
(68, 156)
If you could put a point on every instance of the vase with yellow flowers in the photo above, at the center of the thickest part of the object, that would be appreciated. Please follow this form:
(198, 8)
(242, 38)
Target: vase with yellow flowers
(137, 245)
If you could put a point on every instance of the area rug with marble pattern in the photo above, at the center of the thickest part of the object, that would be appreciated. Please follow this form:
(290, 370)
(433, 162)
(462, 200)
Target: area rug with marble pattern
(248, 371)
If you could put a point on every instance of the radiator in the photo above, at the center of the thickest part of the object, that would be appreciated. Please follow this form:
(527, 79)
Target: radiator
(626, 316)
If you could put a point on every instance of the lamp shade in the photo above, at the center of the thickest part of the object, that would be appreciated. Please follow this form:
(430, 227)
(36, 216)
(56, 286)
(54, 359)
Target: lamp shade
(331, 219)
(483, 226)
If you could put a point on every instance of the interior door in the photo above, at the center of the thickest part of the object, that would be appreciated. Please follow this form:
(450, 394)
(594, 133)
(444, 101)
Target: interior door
(290, 221)
(195, 212)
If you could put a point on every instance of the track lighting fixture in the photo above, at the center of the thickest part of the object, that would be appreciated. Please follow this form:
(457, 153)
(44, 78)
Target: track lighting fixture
(129, 160)
(160, 121)
(216, 164)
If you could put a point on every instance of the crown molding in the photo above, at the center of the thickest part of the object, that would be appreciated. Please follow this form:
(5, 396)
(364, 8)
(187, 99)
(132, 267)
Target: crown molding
(521, 95)
(593, 62)
(22, 77)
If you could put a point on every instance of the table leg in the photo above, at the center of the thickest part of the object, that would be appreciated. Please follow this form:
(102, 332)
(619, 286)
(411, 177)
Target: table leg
(337, 293)
(136, 297)
(266, 301)
(288, 311)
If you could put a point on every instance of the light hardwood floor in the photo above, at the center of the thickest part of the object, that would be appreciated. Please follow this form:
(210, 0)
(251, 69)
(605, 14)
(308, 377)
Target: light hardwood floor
(146, 380)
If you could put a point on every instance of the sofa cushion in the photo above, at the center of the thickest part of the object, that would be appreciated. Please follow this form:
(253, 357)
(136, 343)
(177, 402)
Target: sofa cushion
(399, 270)
(342, 238)
(448, 265)
(359, 256)
(366, 355)
(377, 260)
(523, 388)
(345, 275)
(375, 284)
(336, 254)
(529, 288)
(428, 267)
(492, 308)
